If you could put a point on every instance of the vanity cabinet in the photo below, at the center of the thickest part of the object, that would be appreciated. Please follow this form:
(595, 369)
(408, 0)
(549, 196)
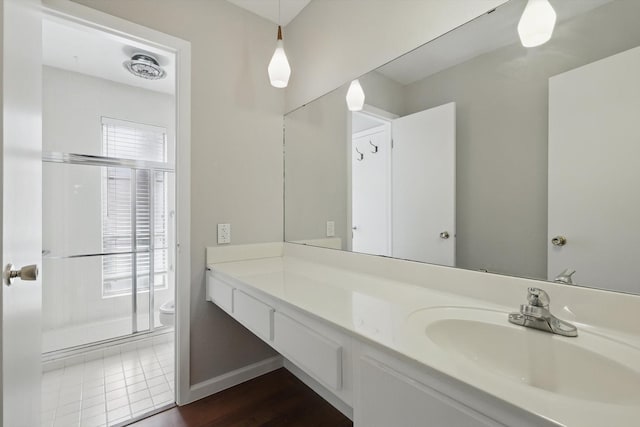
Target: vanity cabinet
(391, 390)
(318, 350)
(374, 386)
(387, 397)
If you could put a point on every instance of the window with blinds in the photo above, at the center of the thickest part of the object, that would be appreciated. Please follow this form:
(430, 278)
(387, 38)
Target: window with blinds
(127, 140)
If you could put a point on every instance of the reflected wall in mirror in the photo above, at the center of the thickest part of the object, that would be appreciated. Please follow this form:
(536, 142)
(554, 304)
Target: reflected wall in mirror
(476, 152)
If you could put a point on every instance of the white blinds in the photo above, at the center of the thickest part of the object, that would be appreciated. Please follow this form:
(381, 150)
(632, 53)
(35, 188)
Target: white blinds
(138, 142)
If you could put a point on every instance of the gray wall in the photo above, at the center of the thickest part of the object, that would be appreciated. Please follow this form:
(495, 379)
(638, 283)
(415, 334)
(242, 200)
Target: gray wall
(236, 144)
(316, 169)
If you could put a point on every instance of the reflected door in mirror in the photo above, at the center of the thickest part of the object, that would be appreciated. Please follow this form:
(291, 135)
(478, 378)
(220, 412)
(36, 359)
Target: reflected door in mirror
(424, 168)
(594, 147)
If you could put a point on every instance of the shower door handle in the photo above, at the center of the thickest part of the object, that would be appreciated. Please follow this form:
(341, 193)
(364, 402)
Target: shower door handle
(28, 272)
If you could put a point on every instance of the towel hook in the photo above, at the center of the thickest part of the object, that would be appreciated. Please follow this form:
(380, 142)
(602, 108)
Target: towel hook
(361, 156)
(375, 147)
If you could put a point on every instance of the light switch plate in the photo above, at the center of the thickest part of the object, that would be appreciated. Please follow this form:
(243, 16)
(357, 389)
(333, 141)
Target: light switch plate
(224, 233)
(331, 228)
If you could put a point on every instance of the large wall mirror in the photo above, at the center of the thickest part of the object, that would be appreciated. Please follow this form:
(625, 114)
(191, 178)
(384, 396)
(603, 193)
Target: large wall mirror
(475, 152)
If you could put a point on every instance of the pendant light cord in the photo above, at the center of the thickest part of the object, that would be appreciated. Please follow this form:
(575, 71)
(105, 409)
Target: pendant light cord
(279, 27)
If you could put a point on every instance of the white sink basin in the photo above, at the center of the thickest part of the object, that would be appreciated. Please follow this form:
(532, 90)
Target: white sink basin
(589, 367)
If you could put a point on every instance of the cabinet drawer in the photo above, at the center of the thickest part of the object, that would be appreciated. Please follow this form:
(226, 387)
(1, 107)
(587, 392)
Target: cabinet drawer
(221, 294)
(255, 315)
(313, 352)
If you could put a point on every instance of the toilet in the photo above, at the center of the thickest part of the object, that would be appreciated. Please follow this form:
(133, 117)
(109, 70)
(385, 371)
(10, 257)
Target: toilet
(167, 313)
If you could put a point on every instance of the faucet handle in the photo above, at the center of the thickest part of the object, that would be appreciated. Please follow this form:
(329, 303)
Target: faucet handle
(538, 298)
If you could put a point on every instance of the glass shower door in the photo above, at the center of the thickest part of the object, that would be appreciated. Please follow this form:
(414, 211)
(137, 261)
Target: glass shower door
(105, 250)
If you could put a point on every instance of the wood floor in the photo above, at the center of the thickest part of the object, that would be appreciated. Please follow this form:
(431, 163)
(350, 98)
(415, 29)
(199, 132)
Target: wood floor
(275, 399)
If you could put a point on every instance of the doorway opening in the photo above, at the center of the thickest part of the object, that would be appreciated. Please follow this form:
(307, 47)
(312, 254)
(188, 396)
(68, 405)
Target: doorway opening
(109, 227)
(371, 161)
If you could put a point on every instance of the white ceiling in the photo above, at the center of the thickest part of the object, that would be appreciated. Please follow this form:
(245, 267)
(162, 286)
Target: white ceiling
(479, 36)
(268, 9)
(86, 51)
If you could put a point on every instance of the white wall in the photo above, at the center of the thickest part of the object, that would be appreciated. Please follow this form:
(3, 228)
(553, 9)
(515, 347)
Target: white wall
(73, 105)
(236, 152)
(332, 42)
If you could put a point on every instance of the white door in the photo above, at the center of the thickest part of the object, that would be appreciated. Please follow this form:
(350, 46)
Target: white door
(594, 147)
(424, 185)
(21, 212)
(370, 191)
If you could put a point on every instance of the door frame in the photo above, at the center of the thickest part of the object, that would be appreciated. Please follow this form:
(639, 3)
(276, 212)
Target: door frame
(76, 14)
(383, 117)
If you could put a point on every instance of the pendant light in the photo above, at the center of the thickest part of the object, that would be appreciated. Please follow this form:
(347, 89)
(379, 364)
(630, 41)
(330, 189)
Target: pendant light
(537, 22)
(279, 69)
(355, 96)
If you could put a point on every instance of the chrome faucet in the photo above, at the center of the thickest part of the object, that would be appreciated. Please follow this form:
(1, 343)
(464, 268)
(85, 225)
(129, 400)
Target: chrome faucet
(535, 314)
(565, 277)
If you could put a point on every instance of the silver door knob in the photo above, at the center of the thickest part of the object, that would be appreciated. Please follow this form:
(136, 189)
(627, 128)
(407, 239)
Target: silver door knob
(559, 241)
(28, 272)
(444, 235)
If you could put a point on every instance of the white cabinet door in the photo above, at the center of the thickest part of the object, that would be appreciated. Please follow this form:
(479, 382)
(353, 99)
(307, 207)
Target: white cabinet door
(253, 314)
(316, 354)
(21, 211)
(424, 185)
(388, 398)
(594, 147)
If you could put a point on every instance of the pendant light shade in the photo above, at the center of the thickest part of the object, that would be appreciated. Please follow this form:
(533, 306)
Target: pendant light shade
(355, 96)
(537, 23)
(279, 69)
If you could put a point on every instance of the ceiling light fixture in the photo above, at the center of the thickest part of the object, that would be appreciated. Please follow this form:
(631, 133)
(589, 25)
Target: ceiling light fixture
(537, 23)
(145, 66)
(279, 69)
(355, 96)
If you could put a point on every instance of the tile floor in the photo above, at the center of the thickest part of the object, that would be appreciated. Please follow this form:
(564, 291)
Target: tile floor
(109, 390)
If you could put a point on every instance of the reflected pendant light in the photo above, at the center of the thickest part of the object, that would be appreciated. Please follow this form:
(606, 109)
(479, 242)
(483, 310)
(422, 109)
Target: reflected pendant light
(355, 96)
(279, 69)
(537, 22)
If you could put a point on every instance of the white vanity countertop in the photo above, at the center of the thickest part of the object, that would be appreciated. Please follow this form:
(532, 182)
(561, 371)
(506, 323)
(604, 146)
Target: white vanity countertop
(381, 310)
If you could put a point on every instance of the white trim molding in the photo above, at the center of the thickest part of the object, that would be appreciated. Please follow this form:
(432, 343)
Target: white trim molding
(78, 15)
(233, 378)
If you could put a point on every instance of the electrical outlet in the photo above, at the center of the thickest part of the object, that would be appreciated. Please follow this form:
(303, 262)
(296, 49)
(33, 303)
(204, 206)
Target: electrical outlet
(224, 233)
(331, 228)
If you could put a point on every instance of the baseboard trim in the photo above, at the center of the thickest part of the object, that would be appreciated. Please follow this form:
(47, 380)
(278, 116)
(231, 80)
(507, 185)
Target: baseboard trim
(314, 385)
(233, 378)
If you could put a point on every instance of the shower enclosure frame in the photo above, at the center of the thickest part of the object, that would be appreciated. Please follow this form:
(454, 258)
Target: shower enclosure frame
(74, 14)
(133, 165)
